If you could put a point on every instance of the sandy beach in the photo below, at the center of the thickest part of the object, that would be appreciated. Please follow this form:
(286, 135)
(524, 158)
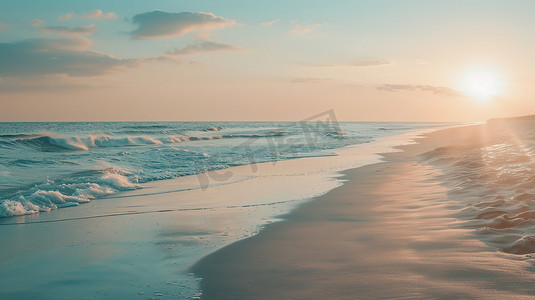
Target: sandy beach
(446, 218)
(267, 150)
(441, 213)
(142, 243)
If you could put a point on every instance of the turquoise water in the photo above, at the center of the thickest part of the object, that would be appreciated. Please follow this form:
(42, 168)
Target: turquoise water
(45, 166)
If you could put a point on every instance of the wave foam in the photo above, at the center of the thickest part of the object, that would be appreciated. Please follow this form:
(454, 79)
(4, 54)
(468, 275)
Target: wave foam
(50, 142)
(61, 193)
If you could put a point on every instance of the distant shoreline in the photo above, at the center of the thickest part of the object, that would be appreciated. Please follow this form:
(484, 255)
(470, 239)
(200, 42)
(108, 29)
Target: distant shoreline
(521, 118)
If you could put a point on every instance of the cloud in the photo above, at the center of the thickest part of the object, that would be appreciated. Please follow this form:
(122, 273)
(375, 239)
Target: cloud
(99, 14)
(47, 84)
(369, 63)
(303, 29)
(439, 91)
(94, 14)
(66, 17)
(170, 59)
(269, 23)
(69, 56)
(82, 30)
(309, 80)
(362, 63)
(37, 23)
(3, 26)
(161, 24)
(204, 46)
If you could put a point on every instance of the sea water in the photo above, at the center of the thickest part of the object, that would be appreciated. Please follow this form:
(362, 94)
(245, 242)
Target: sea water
(144, 221)
(51, 165)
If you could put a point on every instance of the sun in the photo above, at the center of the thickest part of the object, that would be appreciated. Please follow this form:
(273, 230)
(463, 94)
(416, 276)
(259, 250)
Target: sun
(482, 85)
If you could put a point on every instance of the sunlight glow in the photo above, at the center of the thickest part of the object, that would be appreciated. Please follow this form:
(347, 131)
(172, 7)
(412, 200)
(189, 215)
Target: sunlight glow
(482, 85)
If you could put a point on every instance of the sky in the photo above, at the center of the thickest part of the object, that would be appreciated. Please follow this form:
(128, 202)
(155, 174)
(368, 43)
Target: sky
(180, 60)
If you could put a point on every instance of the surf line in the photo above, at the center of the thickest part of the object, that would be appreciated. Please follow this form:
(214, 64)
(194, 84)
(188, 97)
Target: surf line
(146, 212)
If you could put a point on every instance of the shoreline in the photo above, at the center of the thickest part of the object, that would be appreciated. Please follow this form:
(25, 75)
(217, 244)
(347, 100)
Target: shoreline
(390, 230)
(144, 241)
(372, 154)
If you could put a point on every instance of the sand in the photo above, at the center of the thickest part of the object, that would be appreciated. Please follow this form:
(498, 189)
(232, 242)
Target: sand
(141, 244)
(410, 227)
(449, 217)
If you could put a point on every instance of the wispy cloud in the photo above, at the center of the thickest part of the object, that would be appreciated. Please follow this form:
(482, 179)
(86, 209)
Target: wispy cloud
(37, 23)
(161, 24)
(361, 63)
(269, 23)
(82, 30)
(204, 46)
(309, 80)
(435, 90)
(94, 14)
(170, 59)
(3, 26)
(69, 56)
(303, 29)
(369, 63)
(66, 17)
(99, 14)
(49, 84)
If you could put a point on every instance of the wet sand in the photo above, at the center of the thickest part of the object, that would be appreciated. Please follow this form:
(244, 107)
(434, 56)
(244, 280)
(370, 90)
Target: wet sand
(140, 244)
(397, 229)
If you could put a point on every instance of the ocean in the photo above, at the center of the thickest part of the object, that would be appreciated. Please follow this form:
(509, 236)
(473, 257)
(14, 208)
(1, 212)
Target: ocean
(51, 165)
(108, 210)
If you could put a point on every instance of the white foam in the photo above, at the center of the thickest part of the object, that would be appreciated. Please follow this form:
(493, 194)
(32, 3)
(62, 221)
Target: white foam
(48, 196)
(117, 180)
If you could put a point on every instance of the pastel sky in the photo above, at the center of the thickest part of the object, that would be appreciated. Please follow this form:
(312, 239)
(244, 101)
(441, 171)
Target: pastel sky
(181, 60)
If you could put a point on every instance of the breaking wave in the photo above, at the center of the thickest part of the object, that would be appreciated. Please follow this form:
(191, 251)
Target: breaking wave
(45, 166)
(58, 143)
(65, 192)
